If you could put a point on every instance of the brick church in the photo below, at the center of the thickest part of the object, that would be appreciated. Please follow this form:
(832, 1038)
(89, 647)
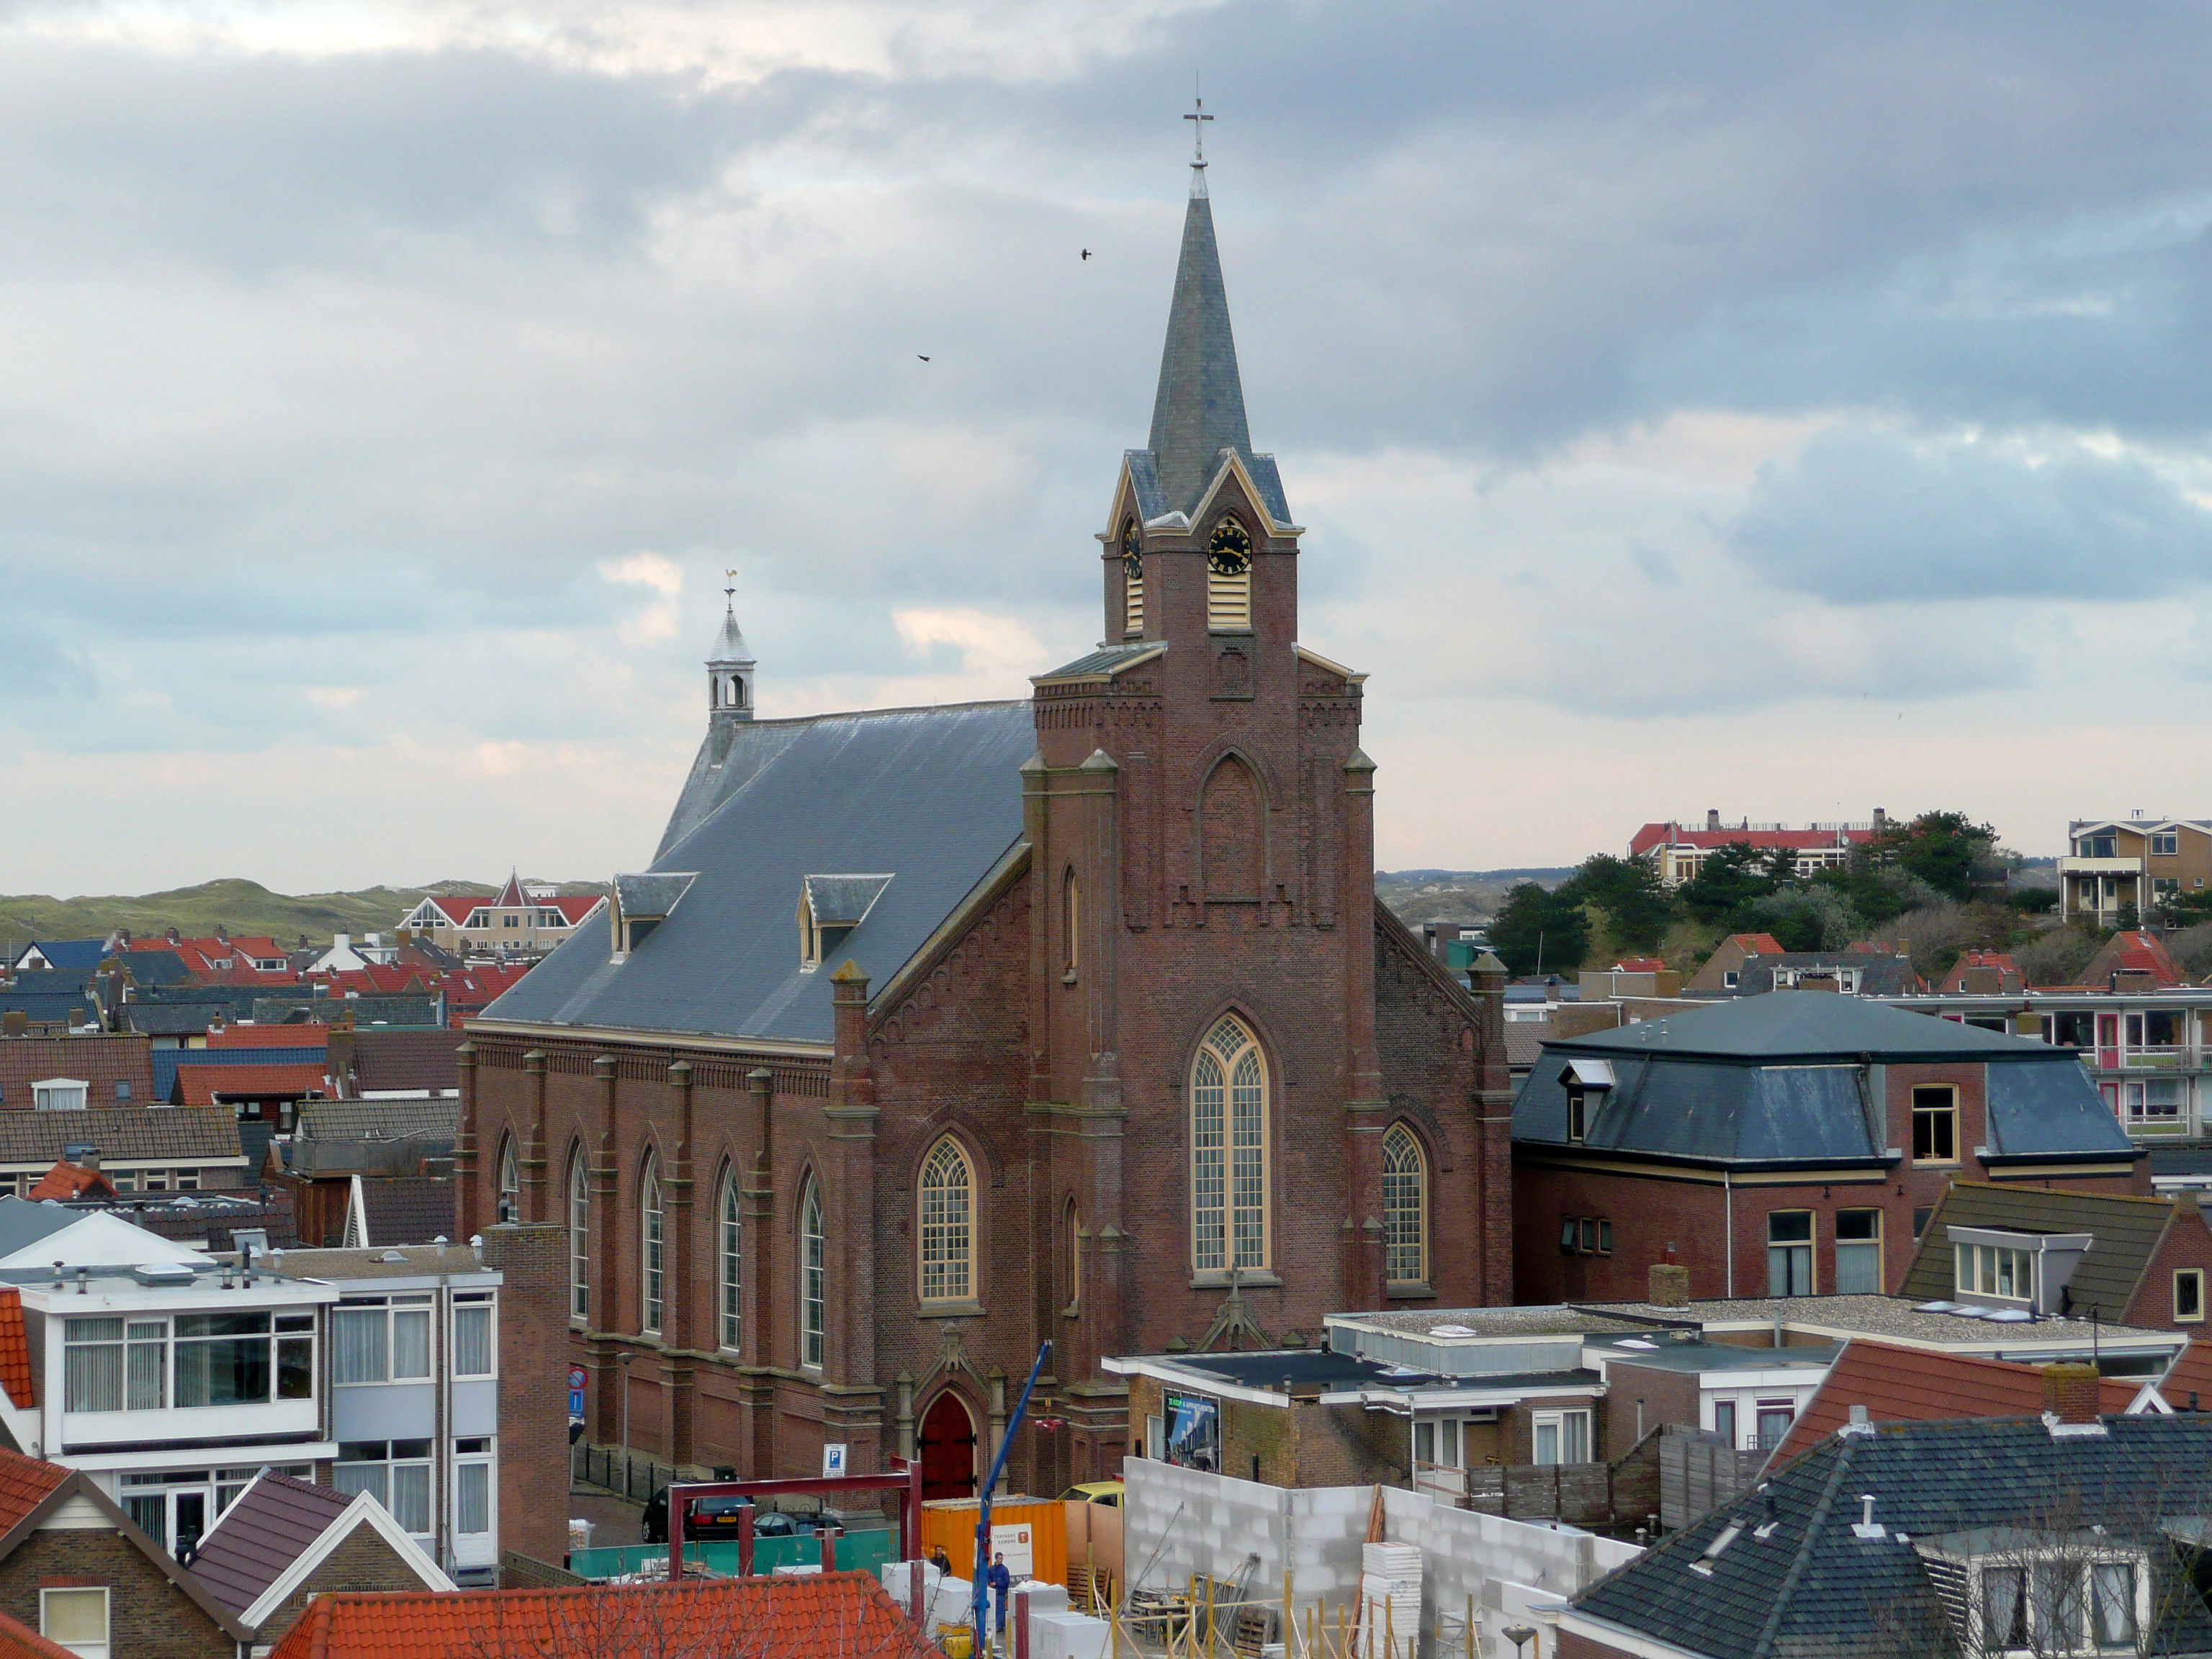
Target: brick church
(933, 1034)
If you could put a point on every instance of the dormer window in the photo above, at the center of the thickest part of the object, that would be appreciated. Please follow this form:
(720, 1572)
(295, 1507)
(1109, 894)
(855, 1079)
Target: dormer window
(58, 1094)
(2059, 1605)
(640, 904)
(830, 908)
(1587, 1082)
(2022, 1270)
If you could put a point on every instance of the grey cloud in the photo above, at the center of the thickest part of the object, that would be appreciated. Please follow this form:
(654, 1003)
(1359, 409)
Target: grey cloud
(1861, 518)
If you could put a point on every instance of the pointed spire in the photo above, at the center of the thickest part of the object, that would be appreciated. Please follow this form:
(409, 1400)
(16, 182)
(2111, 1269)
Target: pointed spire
(510, 895)
(1198, 411)
(730, 648)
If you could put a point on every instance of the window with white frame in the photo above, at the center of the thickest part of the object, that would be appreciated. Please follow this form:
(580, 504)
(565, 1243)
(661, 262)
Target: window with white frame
(76, 1618)
(472, 1487)
(58, 1094)
(1993, 1270)
(580, 1239)
(1858, 1252)
(1405, 1208)
(948, 1229)
(1228, 1176)
(381, 1340)
(397, 1473)
(729, 1263)
(813, 1281)
(475, 1343)
(653, 1258)
(114, 1363)
(1560, 1436)
(2037, 1600)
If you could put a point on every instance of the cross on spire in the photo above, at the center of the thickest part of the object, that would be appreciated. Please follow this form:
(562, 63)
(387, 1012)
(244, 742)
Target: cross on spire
(1198, 118)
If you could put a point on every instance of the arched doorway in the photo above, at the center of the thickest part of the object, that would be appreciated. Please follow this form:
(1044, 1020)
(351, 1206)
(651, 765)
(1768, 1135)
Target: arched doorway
(948, 1450)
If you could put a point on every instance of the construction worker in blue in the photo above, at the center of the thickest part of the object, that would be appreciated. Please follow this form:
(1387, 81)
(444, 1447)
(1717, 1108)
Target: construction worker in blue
(1000, 1582)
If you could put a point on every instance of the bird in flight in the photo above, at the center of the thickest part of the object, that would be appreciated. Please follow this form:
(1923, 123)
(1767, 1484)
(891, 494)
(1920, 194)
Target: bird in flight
(923, 358)
(1086, 253)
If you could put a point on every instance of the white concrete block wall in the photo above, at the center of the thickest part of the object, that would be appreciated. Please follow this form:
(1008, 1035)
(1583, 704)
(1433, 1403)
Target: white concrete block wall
(1319, 1532)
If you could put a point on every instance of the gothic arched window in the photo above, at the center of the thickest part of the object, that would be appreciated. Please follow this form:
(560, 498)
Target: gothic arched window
(1405, 1208)
(813, 1277)
(1229, 1178)
(652, 1253)
(728, 1265)
(579, 1237)
(948, 1229)
(509, 1204)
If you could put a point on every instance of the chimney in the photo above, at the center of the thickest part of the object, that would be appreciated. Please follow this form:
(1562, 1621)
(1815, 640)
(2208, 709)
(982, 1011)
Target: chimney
(1670, 1286)
(1881, 820)
(15, 1022)
(2069, 1393)
(850, 1080)
(1712, 817)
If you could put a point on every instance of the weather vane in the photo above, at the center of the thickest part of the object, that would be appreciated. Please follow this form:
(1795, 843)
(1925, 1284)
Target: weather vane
(1198, 118)
(731, 591)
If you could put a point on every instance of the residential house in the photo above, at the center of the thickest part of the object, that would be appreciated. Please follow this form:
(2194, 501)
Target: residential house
(76, 1569)
(2135, 1259)
(1789, 1143)
(1869, 967)
(831, 1615)
(1983, 973)
(414, 1371)
(77, 957)
(517, 920)
(1721, 973)
(389, 1063)
(186, 1149)
(284, 1541)
(168, 1377)
(2114, 865)
(2132, 960)
(340, 1143)
(1984, 1536)
(1677, 853)
(399, 1209)
(1874, 1381)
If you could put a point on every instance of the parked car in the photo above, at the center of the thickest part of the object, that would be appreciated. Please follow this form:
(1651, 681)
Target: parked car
(709, 1519)
(1107, 1492)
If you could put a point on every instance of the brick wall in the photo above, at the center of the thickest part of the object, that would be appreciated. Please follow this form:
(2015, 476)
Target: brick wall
(363, 1562)
(1574, 1645)
(148, 1613)
(2187, 1244)
(1668, 1397)
(533, 1388)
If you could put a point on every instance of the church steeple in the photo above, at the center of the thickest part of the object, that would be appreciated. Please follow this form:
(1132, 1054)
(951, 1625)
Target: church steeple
(730, 666)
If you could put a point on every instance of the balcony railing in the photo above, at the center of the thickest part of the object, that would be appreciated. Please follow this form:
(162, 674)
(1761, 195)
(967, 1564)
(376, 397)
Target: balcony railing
(2170, 1057)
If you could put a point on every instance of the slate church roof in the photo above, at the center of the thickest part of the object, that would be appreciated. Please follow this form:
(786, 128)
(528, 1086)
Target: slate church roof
(930, 797)
(1779, 1078)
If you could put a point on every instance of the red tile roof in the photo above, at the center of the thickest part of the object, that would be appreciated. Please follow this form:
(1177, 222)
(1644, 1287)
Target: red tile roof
(377, 979)
(2190, 1373)
(22, 1642)
(1996, 962)
(1912, 1385)
(1757, 945)
(24, 1482)
(297, 1078)
(2132, 953)
(15, 1373)
(101, 1061)
(1639, 965)
(836, 1615)
(303, 1036)
(67, 1180)
(459, 907)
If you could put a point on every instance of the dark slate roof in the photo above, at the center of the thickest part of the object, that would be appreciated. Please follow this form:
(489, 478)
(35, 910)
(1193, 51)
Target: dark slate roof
(1105, 663)
(1883, 973)
(380, 1119)
(425, 1059)
(1813, 1587)
(261, 1534)
(2126, 1231)
(149, 968)
(1198, 412)
(180, 1134)
(24, 1222)
(730, 756)
(1778, 1077)
(165, 1019)
(46, 1007)
(407, 1209)
(70, 955)
(930, 796)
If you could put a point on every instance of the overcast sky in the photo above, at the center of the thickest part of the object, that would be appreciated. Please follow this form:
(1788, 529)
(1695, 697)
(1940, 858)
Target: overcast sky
(1792, 410)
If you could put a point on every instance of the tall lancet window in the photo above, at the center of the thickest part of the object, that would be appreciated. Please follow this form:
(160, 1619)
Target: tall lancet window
(948, 1224)
(1228, 1177)
(1405, 1207)
(1132, 579)
(653, 1247)
(510, 1183)
(1229, 579)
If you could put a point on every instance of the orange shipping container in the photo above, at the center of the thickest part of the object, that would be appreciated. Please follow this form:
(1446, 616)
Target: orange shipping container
(1031, 1528)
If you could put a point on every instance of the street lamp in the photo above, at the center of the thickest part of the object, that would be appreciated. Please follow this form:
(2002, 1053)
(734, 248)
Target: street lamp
(1521, 1636)
(626, 1358)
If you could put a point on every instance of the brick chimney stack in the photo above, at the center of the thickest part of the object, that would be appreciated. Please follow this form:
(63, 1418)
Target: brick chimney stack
(1670, 1286)
(2069, 1393)
(1712, 817)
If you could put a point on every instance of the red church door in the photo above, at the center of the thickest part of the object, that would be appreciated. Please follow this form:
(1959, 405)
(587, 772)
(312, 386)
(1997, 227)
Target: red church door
(948, 1450)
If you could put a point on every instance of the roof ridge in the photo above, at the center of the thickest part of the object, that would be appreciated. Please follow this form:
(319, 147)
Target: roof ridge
(2047, 1192)
(1768, 1633)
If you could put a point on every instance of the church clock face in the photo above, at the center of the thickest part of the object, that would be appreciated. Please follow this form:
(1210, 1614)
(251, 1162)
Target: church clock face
(1230, 552)
(1132, 552)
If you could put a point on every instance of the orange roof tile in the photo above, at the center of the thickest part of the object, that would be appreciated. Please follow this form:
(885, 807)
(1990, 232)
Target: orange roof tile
(202, 1083)
(2190, 1373)
(22, 1642)
(67, 1180)
(270, 1036)
(837, 1615)
(24, 1482)
(1757, 944)
(15, 1373)
(1912, 1385)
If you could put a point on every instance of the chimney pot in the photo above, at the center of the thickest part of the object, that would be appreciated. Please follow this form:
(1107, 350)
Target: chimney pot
(1712, 817)
(1859, 1412)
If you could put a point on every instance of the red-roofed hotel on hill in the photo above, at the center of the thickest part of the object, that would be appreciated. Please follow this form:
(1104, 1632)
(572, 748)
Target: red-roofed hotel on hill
(1679, 851)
